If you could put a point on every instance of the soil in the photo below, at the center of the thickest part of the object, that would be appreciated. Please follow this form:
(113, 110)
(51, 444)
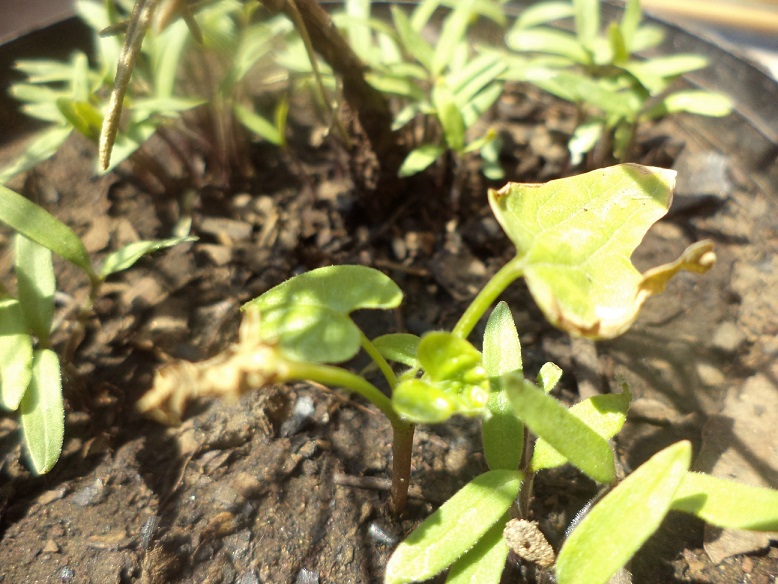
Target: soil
(290, 483)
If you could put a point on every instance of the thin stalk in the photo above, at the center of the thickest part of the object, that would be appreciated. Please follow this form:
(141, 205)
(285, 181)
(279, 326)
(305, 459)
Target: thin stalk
(402, 450)
(492, 289)
(376, 356)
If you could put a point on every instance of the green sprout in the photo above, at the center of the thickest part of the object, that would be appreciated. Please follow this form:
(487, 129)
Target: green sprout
(573, 238)
(30, 379)
(614, 89)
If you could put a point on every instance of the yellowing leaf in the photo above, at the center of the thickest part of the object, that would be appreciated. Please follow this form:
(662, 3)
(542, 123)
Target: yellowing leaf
(574, 239)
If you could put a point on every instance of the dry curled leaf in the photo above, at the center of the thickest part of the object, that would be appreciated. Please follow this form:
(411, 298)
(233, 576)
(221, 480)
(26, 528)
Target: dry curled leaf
(525, 539)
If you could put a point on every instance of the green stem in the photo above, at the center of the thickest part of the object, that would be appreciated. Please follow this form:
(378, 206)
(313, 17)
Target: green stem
(492, 289)
(376, 356)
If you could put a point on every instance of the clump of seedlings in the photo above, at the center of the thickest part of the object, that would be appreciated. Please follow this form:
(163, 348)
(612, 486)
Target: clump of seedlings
(30, 378)
(573, 238)
(615, 90)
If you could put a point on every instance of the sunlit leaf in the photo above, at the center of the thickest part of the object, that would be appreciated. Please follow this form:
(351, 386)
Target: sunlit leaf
(727, 504)
(485, 561)
(550, 420)
(605, 414)
(420, 158)
(548, 376)
(36, 285)
(502, 348)
(699, 102)
(454, 528)
(574, 239)
(308, 314)
(421, 402)
(42, 412)
(15, 354)
(543, 13)
(626, 517)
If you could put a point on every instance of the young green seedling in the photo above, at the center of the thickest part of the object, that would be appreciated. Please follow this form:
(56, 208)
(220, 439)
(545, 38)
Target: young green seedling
(30, 379)
(601, 73)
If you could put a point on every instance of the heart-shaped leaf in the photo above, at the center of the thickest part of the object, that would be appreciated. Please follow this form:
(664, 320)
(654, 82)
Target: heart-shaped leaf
(574, 238)
(454, 528)
(308, 315)
(618, 525)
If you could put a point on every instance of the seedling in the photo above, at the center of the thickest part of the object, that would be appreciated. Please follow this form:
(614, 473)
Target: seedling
(601, 73)
(574, 238)
(203, 116)
(442, 87)
(30, 379)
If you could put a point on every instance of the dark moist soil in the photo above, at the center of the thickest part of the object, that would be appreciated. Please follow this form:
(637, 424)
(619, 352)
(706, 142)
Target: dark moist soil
(290, 483)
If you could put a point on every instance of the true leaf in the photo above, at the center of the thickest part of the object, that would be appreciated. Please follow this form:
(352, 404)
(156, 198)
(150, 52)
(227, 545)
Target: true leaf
(618, 525)
(40, 226)
(43, 413)
(398, 347)
(15, 354)
(308, 315)
(454, 528)
(420, 158)
(421, 402)
(36, 284)
(605, 414)
(502, 348)
(727, 504)
(445, 356)
(548, 376)
(542, 13)
(126, 257)
(574, 238)
(485, 561)
(695, 102)
(550, 420)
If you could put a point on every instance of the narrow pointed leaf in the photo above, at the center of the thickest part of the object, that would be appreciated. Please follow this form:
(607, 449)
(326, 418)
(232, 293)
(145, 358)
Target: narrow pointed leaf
(36, 284)
(502, 348)
(550, 420)
(42, 412)
(40, 226)
(15, 354)
(727, 504)
(575, 237)
(605, 414)
(126, 257)
(485, 561)
(617, 526)
(454, 528)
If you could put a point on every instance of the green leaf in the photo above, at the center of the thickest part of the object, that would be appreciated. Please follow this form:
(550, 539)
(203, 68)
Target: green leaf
(83, 116)
(700, 102)
(574, 238)
(454, 528)
(450, 117)
(618, 525)
(630, 21)
(423, 403)
(411, 40)
(605, 414)
(398, 347)
(126, 257)
(262, 127)
(42, 147)
(36, 286)
(15, 354)
(445, 356)
(727, 504)
(584, 139)
(502, 348)
(43, 413)
(308, 314)
(420, 158)
(40, 226)
(543, 13)
(553, 42)
(587, 21)
(485, 561)
(548, 376)
(550, 420)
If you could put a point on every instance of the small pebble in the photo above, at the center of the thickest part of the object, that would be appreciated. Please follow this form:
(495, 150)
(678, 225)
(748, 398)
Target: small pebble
(89, 495)
(302, 412)
(381, 534)
(306, 576)
(65, 574)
